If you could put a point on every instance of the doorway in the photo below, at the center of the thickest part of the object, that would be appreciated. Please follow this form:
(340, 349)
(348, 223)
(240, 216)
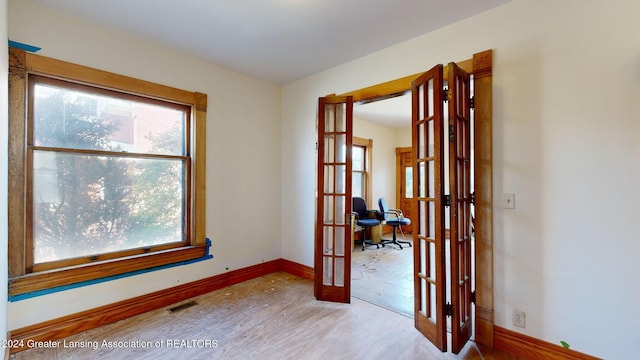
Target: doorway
(332, 260)
(383, 276)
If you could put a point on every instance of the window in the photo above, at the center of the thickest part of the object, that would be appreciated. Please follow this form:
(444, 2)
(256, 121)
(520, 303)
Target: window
(93, 194)
(107, 176)
(361, 168)
(359, 171)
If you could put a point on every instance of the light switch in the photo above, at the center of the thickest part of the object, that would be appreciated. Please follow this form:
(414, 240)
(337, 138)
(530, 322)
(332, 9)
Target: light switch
(509, 201)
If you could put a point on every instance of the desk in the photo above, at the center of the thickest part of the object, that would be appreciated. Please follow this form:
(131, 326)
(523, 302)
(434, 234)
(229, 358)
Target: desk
(375, 232)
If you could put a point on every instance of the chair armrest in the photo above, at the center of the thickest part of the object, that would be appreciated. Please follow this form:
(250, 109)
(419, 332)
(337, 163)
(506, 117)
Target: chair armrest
(399, 212)
(396, 212)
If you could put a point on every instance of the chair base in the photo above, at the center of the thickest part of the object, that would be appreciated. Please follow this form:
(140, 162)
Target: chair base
(395, 240)
(366, 243)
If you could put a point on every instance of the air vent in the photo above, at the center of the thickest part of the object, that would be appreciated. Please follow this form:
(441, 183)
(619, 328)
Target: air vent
(182, 307)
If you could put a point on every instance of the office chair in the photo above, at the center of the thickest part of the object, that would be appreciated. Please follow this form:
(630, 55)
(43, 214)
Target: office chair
(394, 218)
(362, 219)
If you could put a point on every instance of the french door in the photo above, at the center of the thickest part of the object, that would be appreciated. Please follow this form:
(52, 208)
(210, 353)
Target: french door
(433, 129)
(459, 113)
(428, 187)
(436, 132)
(333, 211)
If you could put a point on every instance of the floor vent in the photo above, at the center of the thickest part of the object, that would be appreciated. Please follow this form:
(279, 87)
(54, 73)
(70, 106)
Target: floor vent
(182, 306)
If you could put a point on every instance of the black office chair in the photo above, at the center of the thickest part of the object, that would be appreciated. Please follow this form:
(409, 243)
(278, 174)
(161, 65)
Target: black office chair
(361, 214)
(394, 218)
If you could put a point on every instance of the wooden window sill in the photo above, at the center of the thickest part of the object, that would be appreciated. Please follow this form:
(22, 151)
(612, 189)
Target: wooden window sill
(51, 279)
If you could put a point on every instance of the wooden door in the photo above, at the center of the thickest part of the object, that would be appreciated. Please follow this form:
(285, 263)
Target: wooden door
(428, 208)
(333, 213)
(404, 183)
(460, 209)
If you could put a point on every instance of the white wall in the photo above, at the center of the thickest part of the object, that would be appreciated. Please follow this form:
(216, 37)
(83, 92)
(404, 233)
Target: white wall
(566, 142)
(383, 172)
(403, 137)
(243, 153)
(4, 172)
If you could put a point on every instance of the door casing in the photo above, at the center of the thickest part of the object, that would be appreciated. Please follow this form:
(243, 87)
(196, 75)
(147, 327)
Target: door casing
(401, 157)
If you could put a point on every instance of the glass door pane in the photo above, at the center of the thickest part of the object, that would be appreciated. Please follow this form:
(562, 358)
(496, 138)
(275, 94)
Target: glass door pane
(333, 228)
(428, 187)
(460, 209)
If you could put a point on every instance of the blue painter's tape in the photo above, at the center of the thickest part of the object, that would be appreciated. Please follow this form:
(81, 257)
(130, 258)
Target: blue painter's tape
(25, 47)
(33, 294)
(208, 242)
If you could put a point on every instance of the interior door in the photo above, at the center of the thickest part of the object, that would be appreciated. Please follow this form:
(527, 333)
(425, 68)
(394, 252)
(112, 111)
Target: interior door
(404, 183)
(333, 222)
(428, 189)
(460, 210)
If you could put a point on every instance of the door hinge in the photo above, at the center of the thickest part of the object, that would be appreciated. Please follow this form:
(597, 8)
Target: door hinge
(473, 297)
(446, 199)
(472, 102)
(472, 198)
(448, 310)
(446, 94)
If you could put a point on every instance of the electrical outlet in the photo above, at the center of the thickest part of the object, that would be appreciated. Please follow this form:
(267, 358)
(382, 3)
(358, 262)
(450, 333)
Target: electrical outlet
(509, 201)
(520, 319)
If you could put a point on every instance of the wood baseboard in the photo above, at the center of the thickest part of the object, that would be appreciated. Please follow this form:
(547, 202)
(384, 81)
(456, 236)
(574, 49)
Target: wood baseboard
(60, 328)
(57, 329)
(294, 268)
(529, 347)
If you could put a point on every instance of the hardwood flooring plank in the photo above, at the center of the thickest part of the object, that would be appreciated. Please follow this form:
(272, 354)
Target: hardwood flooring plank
(384, 276)
(274, 316)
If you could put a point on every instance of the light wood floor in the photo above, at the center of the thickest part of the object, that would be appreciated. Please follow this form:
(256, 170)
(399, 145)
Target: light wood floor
(272, 317)
(384, 276)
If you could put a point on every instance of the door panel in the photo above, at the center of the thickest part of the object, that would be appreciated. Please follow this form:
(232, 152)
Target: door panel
(428, 190)
(460, 209)
(333, 212)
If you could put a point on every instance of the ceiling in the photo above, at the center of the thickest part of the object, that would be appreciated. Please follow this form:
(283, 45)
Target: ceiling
(392, 113)
(281, 41)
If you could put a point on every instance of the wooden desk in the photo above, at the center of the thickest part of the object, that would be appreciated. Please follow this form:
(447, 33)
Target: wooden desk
(375, 232)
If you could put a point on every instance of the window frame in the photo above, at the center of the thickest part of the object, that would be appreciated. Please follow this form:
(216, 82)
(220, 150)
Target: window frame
(367, 144)
(24, 277)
